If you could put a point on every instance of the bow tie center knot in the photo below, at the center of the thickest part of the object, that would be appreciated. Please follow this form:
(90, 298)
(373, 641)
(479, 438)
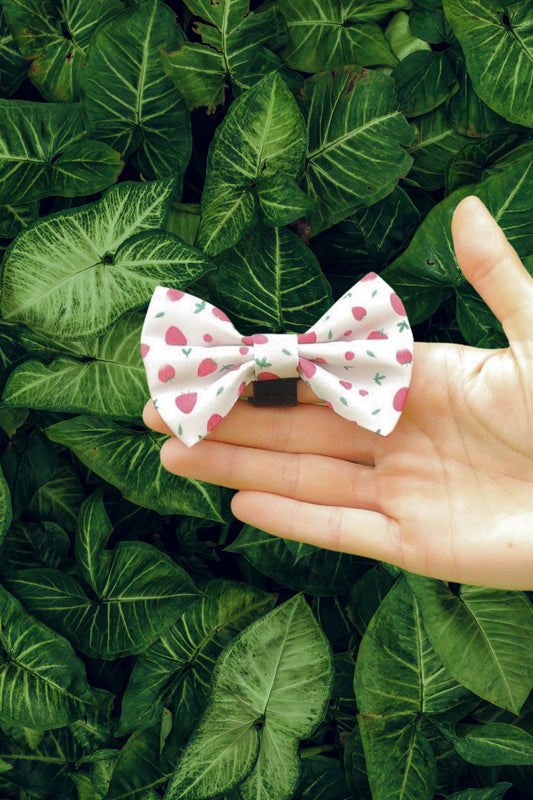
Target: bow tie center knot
(276, 355)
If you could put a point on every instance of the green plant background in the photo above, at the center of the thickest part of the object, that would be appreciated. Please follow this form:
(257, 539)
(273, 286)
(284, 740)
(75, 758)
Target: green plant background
(265, 157)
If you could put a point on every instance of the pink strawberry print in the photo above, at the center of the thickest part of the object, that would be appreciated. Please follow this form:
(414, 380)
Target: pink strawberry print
(220, 314)
(307, 338)
(307, 367)
(363, 392)
(174, 336)
(243, 351)
(404, 357)
(241, 388)
(347, 333)
(206, 367)
(267, 376)
(213, 421)
(349, 356)
(359, 313)
(144, 350)
(377, 335)
(397, 304)
(208, 337)
(399, 398)
(186, 402)
(166, 373)
(174, 294)
(346, 384)
(257, 338)
(370, 277)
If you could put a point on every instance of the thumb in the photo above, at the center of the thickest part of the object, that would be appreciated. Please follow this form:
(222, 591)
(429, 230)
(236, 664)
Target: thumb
(493, 267)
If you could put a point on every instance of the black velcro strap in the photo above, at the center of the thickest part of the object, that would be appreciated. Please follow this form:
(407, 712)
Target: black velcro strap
(278, 392)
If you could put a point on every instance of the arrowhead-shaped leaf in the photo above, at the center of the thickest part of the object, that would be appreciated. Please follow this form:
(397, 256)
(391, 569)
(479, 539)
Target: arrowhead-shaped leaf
(262, 134)
(42, 681)
(72, 274)
(131, 461)
(271, 280)
(128, 100)
(110, 381)
(270, 688)
(499, 56)
(484, 638)
(13, 66)
(494, 744)
(355, 155)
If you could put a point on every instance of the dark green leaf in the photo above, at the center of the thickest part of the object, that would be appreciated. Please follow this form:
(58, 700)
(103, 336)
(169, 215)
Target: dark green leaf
(356, 133)
(488, 793)
(281, 201)
(27, 464)
(16, 217)
(130, 460)
(270, 280)
(423, 81)
(494, 744)
(429, 24)
(322, 779)
(34, 544)
(13, 66)
(128, 100)
(366, 596)
(467, 165)
(138, 770)
(59, 498)
(436, 144)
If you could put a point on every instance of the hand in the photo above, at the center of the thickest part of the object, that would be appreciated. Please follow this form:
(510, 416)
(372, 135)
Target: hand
(449, 493)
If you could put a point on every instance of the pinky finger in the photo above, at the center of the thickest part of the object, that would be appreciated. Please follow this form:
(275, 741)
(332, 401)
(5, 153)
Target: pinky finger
(348, 530)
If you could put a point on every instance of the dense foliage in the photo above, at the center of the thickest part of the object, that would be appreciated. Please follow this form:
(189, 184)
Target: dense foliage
(265, 157)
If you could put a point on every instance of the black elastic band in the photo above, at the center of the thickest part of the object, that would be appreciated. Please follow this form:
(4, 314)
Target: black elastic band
(279, 392)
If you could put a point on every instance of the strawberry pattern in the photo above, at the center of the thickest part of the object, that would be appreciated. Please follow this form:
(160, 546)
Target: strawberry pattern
(357, 357)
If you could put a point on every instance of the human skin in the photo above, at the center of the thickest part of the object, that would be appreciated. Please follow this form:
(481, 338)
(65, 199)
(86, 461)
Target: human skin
(449, 494)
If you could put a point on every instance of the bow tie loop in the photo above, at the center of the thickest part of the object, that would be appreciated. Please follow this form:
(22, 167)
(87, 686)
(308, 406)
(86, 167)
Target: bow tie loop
(357, 358)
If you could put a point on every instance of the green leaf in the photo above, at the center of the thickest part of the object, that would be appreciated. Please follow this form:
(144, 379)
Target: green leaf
(467, 165)
(482, 636)
(322, 573)
(423, 80)
(13, 66)
(328, 35)
(74, 273)
(488, 793)
(436, 143)
(128, 100)
(26, 465)
(5, 507)
(397, 670)
(494, 744)
(235, 50)
(130, 460)
(17, 216)
(322, 779)
(110, 381)
(262, 135)
(355, 131)
(270, 688)
(400, 761)
(42, 682)
(400, 37)
(55, 37)
(138, 770)
(34, 544)
(429, 268)
(59, 498)
(281, 201)
(137, 591)
(271, 280)
(32, 137)
(366, 596)
(429, 25)
(499, 56)
(176, 671)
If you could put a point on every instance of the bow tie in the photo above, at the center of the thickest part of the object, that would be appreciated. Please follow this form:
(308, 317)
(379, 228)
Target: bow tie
(357, 358)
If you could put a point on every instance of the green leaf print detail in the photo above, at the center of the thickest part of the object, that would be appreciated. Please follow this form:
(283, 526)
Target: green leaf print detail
(378, 378)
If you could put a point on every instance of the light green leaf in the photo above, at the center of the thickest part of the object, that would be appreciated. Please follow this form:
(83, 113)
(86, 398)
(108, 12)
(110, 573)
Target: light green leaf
(74, 273)
(499, 56)
(424, 80)
(176, 671)
(42, 681)
(397, 670)
(55, 36)
(494, 744)
(128, 100)
(263, 134)
(281, 201)
(110, 381)
(484, 638)
(355, 157)
(32, 136)
(271, 280)
(399, 759)
(399, 35)
(137, 591)
(270, 688)
(130, 460)
(325, 35)
(235, 50)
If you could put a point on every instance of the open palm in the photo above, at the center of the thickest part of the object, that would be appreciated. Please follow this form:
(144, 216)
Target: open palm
(449, 493)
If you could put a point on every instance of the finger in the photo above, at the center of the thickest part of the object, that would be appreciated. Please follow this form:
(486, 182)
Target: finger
(305, 477)
(493, 267)
(349, 530)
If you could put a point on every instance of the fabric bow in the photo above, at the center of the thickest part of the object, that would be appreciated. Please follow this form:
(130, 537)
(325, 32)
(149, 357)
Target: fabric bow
(357, 358)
